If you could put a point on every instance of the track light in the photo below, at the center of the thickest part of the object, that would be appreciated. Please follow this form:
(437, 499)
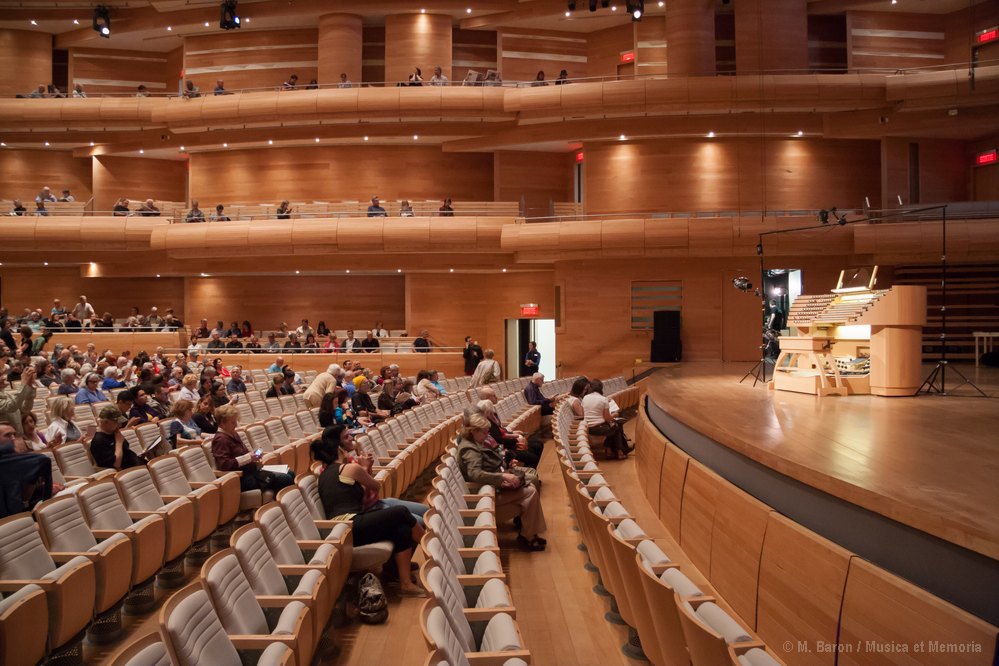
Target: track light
(571, 5)
(228, 19)
(636, 8)
(102, 21)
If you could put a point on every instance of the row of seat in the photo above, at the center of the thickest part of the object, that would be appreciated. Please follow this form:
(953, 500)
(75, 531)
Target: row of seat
(791, 586)
(673, 616)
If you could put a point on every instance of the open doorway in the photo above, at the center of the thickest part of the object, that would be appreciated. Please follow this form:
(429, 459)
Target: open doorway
(519, 334)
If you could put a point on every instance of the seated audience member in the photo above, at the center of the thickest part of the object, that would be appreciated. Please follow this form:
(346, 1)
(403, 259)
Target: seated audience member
(488, 371)
(46, 374)
(332, 343)
(563, 78)
(322, 329)
(284, 210)
(124, 401)
(38, 93)
(91, 392)
(218, 394)
(277, 385)
(202, 331)
(190, 90)
(246, 329)
(305, 329)
(600, 421)
(282, 331)
(422, 343)
(253, 345)
(31, 438)
(290, 381)
(370, 343)
(234, 346)
(155, 322)
(204, 415)
(219, 214)
(108, 447)
(17, 208)
(183, 430)
(386, 398)
(234, 330)
(25, 478)
(276, 366)
(404, 398)
(54, 92)
(195, 214)
(539, 80)
(142, 91)
(518, 451)
(310, 346)
(438, 79)
(576, 393)
(221, 329)
(189, 389)
(236, 383)
(364, 406)
(313, 85)
(62, 429)
(67, 197)
(344, 82)
(79, 92)
(220, 88)
(291, 83)
(379, 330)
(435, 380)
(68, 385)
(482, 462)
(45, 196)
(350, 343)
(105, 322)
(335, 409)
(149, 209)
(219, 370)
(533, 395)
(171, 323)
(232, 455)
(41, 210)
(292, 343)
(343, 488)
(425, 390)
(406, 209)
(142, 411)
(446, 210)
(14, 405)
(375, 209)
(120, 207)
(416, 78)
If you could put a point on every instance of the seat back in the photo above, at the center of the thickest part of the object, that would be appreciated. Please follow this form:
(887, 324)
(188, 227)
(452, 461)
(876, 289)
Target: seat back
(275, 430)
(292, 427)
(309, 485)
(258, 438)
(62, 526)
(195, 464)
(299, 516)
(168, 476)
(74, 460)
(23, 556)
(232, 596)
(194, 635)
(253, 554)
(278, 535)
(102, 506)
(137, 490)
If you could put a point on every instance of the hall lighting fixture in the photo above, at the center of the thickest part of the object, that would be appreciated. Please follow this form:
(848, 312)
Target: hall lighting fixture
(800, 133)
(91, 144)
(47, 144)
(365, 138)
(468, 11)
(76, 21)
(317, 139)
(169, 28)
(157, 275)
(348, 270)
(204, 275)
(423, 11)
(711, 135)
(661, 3)
(398, 270)
(102, 21)
(298, 272)
(182, 149)
(228, 18)
(225, 145)
(451, 270)
(246, 20)
(568, 14)
(270, 142)
(45, 263)
(636, 8)
(3, 144)
(141, 151)
(614, 8)
(622, 138)
(416, 137)
(34, 22)
(504, 270)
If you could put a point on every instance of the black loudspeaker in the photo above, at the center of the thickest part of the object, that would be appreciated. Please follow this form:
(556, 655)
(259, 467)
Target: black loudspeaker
(666, 344)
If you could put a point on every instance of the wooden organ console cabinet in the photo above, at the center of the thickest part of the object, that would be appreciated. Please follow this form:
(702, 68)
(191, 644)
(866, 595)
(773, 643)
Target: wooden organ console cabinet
(855, 340)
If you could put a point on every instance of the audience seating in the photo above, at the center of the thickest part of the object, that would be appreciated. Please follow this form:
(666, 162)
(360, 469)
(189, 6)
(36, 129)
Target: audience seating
(169, 480)
(24, 618)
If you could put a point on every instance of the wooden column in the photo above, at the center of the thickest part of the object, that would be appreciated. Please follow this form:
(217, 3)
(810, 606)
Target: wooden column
(416, 40)
(771, 35)
(340, 43)
(25, 59)
(690, 37)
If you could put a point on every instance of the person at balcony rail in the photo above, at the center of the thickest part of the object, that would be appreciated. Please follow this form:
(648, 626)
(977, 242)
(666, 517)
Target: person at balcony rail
(344, 81)
(439, 78)
(291, 83)
(375, 209)
(195, 214)
(148, 209)
(446, 210)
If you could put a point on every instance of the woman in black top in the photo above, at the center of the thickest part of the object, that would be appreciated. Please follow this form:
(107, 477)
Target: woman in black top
(204, 415)
(342, 488)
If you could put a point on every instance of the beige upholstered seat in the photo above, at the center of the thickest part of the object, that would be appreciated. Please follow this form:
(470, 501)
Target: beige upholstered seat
(75, 462)
(150, 650)
(199, 473)
(286, 549)
(141, 499)
(168, 477)
(24, 625)
(70, 588)
(452, 634)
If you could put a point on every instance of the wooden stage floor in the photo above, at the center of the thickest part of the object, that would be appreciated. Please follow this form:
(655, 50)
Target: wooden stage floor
(930, 462)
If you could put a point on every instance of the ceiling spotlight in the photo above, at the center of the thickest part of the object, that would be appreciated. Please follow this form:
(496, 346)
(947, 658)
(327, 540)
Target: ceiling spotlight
(365, 138)
(622, 138)
(468, 11)
(141, 151)
(614, 8)
(416, 137)
(800, 133)
(207, 24)
(423, 11)
(157, 275)
(317, 139)
(76, 21)
(270, 142)
(169, 28)
(34, 22)
(451, 270)
(182, 149)
(504, 270)
(228, 18)
(91, 144)
(348, 270)
(711, 135)
(204, 275)
(45, 263)
(298, 272)
(3, 144)
(661, 3)
(102, 21)
(636, 8)
(398, 270)
(568, 14)
(246, 20)
(225, 145)
(47, 144)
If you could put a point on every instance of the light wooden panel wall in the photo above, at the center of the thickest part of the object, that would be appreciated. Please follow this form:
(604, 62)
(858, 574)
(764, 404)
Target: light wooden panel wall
(25, 60)
(37, 287)
(24, 172)
(690, 31)
(730, 174)
(961, 26)
(757, 22)
(472, 49)
(416, 40)
(341, 43)
(650, 46)
(986, 183)
(118, 71)
(884, 40)
(252, 59)
(538, 178)
(944, 171)
(266, 301)
(452, 306)
(173, 69)
(115, 177)
(604, 47)
(373, 54)
(523, 52)
(352, 173)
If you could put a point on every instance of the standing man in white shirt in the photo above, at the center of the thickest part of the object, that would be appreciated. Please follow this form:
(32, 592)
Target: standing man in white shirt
(84, 311)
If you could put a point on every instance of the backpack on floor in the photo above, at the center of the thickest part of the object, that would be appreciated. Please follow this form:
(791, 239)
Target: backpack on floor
(372, 606)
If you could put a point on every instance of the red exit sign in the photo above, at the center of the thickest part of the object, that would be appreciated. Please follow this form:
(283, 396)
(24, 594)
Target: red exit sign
(529, 310)
(628, 56)
(988, 157)
(988, 35)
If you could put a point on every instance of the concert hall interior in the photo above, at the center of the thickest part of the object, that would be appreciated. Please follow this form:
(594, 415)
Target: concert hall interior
(658, 193)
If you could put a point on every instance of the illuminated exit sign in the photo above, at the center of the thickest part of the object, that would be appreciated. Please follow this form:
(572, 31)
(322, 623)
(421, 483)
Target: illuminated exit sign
(987, 35)
(628, 56)
(988, 157)
(529, 309)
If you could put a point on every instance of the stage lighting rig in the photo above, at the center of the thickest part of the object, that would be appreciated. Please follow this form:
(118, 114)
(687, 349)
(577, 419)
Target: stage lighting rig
(228, 18)
(102, 21)
(742, 283)
(636, 8)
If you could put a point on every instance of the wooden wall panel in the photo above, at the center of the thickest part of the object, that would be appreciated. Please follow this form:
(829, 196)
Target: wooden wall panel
(537, 178)
(341, 45)
(604, 48)
(350, 173)
(373, 54)
(690, 31)
(884, 40)
(523, 52)
(137, 178)
(266, 301)
(25, 60)
(756, 24)
(452, 306)
(827, 43)
(472, 49)
(252, 59)
(118, 71)
(24, 172)
(943, 171)
(736, 548)
(961, 27)
(730, 175)
(37, 287)
(416, 40)
(986, 183)
(650, 46)
(173, 69)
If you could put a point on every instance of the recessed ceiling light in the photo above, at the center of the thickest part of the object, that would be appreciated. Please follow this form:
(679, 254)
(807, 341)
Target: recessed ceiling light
(157, 275)
(141, 151)
(365, 138)
(614, 8)
(451, 270)
(93, 264)
(182, 149)
(270, 142)
(225, 145)
(661, 3)
(204, 275)
(504, 270)
(246, 19)
(3, 144)
(568, 13)
(423, 11)
(206, 24)
(169, 28)
(398, 270)
(34, 22)
(348, 270)
(298, 272)
(468, 11)
(416, 137)
(622, 138)
(317, 139)
(800, 133)
(76, 21)
(45, 263)
(47, 143)
(711, 135)
(91, 144)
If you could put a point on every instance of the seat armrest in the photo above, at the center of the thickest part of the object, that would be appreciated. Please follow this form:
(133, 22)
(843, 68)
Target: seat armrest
(220, 473)
(261, 641)
(486, 614)
(475, 530)
(139, 515)
(472, 580)
(496, 658)
(62, 557)
(473, 553)
(295, 569)
(201, 484)
(171, 498)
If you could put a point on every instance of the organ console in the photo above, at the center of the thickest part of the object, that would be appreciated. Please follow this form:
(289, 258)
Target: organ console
(854, 340)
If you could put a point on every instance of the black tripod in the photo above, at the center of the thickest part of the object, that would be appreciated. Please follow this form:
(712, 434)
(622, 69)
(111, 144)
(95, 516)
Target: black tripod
(936, 382)
(759, 371)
